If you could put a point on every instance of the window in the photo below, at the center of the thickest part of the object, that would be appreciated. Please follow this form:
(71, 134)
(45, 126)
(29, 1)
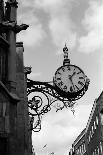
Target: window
(89, 138)
(84, 148)
(80, 149)
(94, 125)
(96, 120)
(95, 152)
(92, 130)
(90, 134)
(77, 151)
(101, 116)
(101, 148)
(98, 150)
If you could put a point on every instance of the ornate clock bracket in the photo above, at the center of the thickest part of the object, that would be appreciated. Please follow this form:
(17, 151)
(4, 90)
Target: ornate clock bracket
(52, 98)
(38, 106)
(42, 96)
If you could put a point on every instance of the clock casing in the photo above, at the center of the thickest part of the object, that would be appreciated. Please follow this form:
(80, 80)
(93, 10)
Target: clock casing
(69, 80)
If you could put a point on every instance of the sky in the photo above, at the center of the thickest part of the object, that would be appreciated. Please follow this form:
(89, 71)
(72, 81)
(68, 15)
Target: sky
(51, 23)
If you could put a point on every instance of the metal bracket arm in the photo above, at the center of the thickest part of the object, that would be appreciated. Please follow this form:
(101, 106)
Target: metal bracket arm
(38, 107)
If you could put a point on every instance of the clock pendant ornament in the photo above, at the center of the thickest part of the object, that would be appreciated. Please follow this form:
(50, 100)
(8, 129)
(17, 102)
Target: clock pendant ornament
(70, 80)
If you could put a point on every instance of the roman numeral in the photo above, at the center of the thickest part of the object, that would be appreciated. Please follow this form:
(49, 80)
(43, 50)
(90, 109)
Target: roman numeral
(58, 78)
(68, 67)
(71, 89)
(63, 69)
(65, 88)
(80, 83)
(58, 73)
(79, 72)
(60, 83)
(76, 87)
(81, 77)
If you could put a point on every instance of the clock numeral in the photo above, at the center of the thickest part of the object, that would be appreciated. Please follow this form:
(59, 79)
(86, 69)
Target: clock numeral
(79, 72)
(74, 70)
(63, 69)
(58, 78)
(60, 83)
(76, 87)
(65, 88)
(71, 89)
(68, 67)
(81, 77)
(79, 82)
(58, 73)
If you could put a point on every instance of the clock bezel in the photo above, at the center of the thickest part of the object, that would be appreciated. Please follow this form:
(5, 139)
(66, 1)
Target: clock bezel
(64, 93)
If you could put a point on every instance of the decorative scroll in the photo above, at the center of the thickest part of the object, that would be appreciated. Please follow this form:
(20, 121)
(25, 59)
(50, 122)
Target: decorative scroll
(44, 91)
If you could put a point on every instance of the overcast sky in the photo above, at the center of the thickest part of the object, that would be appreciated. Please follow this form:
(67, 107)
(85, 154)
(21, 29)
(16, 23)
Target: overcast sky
(79, 23)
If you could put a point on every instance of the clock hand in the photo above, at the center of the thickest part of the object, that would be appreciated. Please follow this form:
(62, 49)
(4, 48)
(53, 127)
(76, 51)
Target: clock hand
(73, 74)
(72, 83)
(70, 76)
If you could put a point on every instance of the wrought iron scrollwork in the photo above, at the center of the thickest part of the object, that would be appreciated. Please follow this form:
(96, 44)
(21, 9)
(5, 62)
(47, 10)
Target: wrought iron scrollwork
(53, 95)
(50, 93)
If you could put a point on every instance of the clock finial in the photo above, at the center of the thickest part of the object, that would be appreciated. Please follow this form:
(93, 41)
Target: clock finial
(65, 50)
(66, 60)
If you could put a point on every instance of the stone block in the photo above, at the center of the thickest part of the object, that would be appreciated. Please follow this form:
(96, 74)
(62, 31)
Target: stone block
(2, 124)
(7, 124)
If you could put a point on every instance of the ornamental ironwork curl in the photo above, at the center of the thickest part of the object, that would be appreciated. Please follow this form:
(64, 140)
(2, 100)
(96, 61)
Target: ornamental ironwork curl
(37, 106)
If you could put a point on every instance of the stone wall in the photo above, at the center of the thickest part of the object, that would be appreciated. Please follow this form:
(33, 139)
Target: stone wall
(23, 133)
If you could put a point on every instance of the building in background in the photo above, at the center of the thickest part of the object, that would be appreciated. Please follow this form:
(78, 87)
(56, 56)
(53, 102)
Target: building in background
(79, 145)
(15, 136)
(90, 140)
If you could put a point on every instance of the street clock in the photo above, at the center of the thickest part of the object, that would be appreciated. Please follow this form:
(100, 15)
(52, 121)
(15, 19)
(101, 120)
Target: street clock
(70, 80)
(69, 84)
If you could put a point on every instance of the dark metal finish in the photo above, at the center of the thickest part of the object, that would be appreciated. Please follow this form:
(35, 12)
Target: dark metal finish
(54, 96)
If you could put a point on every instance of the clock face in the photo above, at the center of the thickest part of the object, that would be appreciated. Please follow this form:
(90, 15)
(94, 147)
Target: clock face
(70, 78)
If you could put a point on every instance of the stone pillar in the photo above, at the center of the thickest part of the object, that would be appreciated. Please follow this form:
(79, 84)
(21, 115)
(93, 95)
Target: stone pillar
(27, 70)
(1, 10)
(20, 93)
(23, 133)
(11, 15)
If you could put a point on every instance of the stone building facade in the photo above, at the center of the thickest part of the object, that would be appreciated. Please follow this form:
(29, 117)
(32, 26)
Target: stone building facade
(23, 132)
(90, 140)
(15, 137)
